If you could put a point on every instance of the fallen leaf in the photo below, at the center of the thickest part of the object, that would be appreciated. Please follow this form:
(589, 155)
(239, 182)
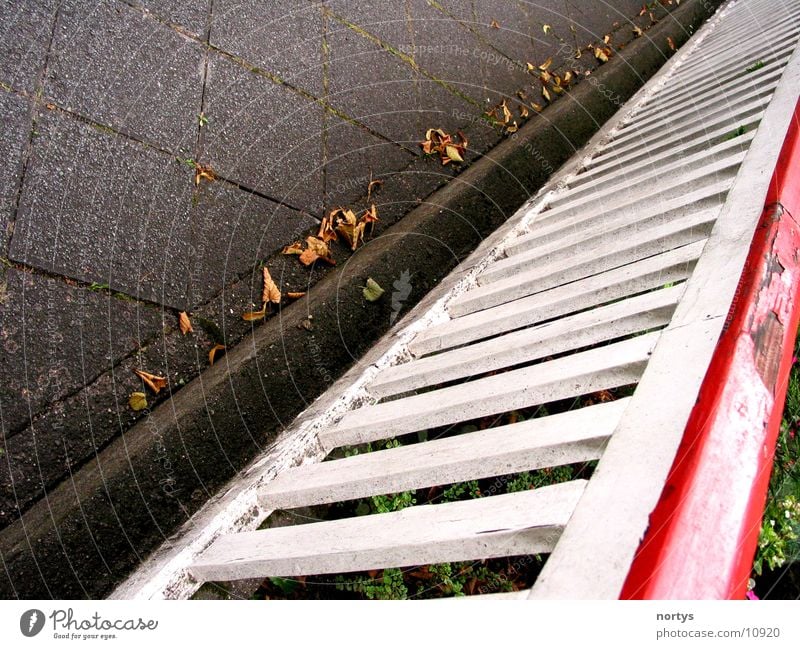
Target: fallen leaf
(437, 141)
(372, 291)
(512, 128)
(251, 316)
(546, 94)
(546, 77)
(537, 108)
(370, 215)
(568, 76)
(295, 296)
(137, 401)
(601, 54)
(349, 227)
(453, 154)
(531, 66)
(671, 43)
(523, 111)
(270, 292)
(607, 39)
(326, 229)
(544, 66)
(307, 324)
(546, 28)
(184, 323)
(494, 24)
(294, 249)
(50, 106)
(317, 249)
(372, 183)
(203, 172)
(213, 352)
(155, 383)
(638, 31)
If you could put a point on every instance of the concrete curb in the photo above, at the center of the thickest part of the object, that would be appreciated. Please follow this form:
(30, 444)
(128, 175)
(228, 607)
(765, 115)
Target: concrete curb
(90, 531)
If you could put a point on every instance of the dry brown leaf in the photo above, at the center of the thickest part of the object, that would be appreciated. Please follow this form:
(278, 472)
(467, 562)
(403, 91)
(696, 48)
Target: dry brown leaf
(184, 323)
(494, 24)
(155, 383)
(537, 108)
(531, 67)
(213, 352)
(50, 106)
(437, 141)
(251, 316)
(546, 94)
(671, 43)
(326, 228)
(607, 39)
(295, 295)
(317, 249)
(270, 292)
(523, 112)
(203, 172)
(637, 32)
(568, 76)
(602, 54)
(294, 249)
(370, 215)
(372, 184)
(546, 77)
(544, 66)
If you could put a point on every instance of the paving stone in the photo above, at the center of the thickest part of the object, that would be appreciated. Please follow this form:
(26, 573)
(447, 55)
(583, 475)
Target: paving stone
(353, 154)
(111, 63)
(232, 232)
(446, 49)
(388, 21)
(14, 131)
(263, 135)
(76, 427)
(284, 37)
(25, 30)
(191, 16)
(55, 338)
(372, 85)
(100, 208)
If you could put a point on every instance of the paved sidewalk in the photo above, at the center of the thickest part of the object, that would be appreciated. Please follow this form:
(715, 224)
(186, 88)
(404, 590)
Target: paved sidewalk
(108, 107)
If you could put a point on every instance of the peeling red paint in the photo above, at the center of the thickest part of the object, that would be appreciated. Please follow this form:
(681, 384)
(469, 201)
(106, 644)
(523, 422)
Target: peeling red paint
(704, 530)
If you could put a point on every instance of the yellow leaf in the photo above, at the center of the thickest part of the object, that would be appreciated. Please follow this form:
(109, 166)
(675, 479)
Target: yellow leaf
(546, 28)
(251, 316)
(637, 31)
(607, 39)
(523, 112)
(294, 249)
(184, 323)
(213, 352)
(531, 66)
(270, 292)
(326, 230)
(137, 401)
(372, 291)
(568, 76)
(600, 55)
(453, 154)
(537, 108)
(155, 383)
(546, 64)
(546, 94)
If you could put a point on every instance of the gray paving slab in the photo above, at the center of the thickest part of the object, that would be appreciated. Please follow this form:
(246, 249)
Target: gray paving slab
(284, 37)
(118, 67)
(446, 49)
(232, 232)
(191, 16)
(56, 338)
(263, 136)
(387, 21)
(353, 154)
(78, 426)
(15, 126)
(372, 85)
(100, 208)
(25, 30)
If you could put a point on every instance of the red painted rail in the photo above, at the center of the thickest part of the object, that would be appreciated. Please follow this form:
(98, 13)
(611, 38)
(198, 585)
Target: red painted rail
(704, 531)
